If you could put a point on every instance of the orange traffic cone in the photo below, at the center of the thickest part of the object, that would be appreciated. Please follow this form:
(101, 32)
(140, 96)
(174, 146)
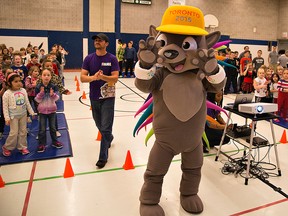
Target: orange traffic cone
(68, 172)
(78, 88)
(75, 79)
(283, 138)
(99, 136)
(77, 83)
(90, 107)
(128, 162)
(2, 183)
(84, 95)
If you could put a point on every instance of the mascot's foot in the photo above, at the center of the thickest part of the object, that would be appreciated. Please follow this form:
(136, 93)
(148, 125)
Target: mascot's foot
(151, 210)
(191, 204)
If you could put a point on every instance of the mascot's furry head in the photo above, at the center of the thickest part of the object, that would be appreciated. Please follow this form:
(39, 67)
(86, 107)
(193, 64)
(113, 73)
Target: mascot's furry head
(179, 37)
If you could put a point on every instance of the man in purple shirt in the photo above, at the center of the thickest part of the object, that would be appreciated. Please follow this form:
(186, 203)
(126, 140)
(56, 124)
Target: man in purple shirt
(101, 70)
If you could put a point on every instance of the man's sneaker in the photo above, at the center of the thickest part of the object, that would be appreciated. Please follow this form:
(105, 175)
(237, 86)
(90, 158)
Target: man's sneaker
(58, 145)
(100, 164)
(6, 152)
(25, 151)
(58, 134)
(41, 148)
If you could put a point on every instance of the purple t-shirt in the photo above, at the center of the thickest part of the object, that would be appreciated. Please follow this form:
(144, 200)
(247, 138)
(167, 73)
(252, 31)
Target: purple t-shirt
(213, 113)
(108, 63)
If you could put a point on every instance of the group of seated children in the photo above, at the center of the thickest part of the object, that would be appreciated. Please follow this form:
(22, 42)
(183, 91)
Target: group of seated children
(18, 91)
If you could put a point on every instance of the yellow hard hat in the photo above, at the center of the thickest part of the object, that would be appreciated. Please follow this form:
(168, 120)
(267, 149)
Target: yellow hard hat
(184, 20)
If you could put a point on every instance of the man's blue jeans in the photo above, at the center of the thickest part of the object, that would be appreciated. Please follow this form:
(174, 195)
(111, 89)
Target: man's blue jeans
(103, 115)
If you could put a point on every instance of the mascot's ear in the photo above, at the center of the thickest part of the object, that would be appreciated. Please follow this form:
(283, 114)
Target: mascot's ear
(152, 31)
(212, 38)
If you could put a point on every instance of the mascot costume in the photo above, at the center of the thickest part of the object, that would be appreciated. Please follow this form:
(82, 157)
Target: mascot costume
(188, 69)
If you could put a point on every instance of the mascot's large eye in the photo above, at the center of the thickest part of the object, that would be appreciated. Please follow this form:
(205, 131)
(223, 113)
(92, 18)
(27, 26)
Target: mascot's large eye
(163, 39)
(189, 44)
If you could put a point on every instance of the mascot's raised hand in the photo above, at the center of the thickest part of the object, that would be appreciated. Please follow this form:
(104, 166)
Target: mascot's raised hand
(206, 61)
(148, 52)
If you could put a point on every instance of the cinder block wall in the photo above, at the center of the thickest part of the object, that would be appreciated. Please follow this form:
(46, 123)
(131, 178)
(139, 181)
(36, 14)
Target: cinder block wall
(53, 15)
(282, 18)
(237, 18)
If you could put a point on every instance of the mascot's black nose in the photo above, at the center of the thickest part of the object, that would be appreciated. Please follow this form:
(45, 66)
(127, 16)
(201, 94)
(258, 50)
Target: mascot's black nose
(171, 54)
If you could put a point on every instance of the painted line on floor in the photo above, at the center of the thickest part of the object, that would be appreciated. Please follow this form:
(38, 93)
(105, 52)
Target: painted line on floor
(31, 180)
(132, 90)
(85, 118)
(100, 171)
(259, 207)
(27, 198)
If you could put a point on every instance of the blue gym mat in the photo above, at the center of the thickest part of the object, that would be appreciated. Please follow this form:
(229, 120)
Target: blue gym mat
(282, 123)
(50, 152)
(60, 105)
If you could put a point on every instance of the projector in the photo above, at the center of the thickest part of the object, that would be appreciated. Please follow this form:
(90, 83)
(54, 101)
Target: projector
(258, 108)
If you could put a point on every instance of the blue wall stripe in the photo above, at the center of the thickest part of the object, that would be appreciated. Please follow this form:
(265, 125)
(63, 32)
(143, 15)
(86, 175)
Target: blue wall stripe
(27, 33)
(85, 18)
(118, 19)
(251, 42)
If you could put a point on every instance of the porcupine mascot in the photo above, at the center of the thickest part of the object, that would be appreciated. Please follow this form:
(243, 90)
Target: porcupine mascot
(189, 69)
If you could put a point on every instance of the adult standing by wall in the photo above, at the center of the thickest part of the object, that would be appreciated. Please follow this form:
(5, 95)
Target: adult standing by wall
(130, 59)
(120, 55)
(231, 74)
(258, 61)
(273, 58)
(100, 69)
(246, 48)
(63, 56)
(283, 59)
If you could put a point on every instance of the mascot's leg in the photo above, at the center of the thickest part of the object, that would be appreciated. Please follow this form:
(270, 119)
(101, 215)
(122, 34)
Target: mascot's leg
(158, 165)
(191, 168)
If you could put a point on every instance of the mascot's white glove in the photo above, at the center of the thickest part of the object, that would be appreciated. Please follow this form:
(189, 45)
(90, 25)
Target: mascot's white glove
(144, 74)
(217, 78)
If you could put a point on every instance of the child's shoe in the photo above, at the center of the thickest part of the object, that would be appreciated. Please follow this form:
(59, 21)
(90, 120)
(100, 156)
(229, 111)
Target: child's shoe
(57, 145)
(6, 152)
(25, 151)
(41, 148)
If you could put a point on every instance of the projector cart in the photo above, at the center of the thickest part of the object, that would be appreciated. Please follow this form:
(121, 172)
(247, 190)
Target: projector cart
(242, 140)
